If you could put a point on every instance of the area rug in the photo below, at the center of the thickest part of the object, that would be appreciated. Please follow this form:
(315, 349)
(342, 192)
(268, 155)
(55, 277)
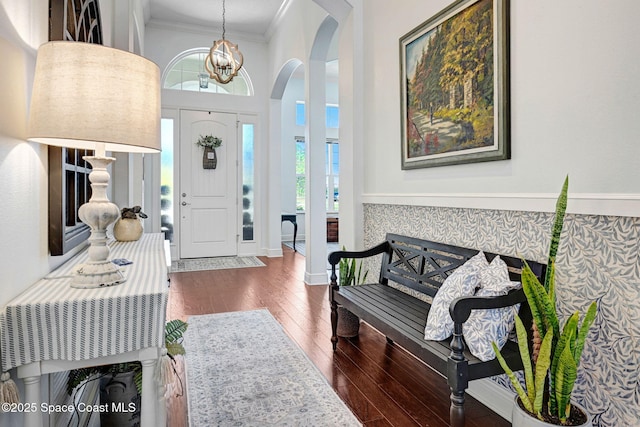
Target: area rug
(217, 263)
(243, 370)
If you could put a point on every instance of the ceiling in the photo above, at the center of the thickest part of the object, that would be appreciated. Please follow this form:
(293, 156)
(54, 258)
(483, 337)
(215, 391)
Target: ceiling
(251, 17)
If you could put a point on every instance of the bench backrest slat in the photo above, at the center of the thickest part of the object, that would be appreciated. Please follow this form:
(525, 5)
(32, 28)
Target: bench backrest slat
(424, 265)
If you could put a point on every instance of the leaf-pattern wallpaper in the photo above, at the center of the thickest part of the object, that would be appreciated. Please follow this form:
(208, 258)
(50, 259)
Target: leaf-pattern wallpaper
(598, 259)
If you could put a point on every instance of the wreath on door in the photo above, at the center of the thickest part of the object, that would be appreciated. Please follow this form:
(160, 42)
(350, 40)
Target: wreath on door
(209, 157)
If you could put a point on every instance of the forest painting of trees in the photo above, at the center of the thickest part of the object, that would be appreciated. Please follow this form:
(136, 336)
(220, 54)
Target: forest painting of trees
(454, 86)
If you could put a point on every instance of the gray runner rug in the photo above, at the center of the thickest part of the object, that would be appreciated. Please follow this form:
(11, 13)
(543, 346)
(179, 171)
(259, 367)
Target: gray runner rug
(217, 263)
(243, 370)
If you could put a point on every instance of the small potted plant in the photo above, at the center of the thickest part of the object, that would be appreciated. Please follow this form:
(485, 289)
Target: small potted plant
(350, 274)
(550, 369)
(128, 228)
(209, 157)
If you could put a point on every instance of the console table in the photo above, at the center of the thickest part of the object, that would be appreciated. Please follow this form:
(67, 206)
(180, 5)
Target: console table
(52, 327)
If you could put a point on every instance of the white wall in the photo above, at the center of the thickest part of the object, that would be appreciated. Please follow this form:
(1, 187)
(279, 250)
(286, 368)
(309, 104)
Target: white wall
(23, 165)
(23, 183)
(574, 102)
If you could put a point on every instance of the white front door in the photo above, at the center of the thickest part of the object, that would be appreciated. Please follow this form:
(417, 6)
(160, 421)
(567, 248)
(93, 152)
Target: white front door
(208, 197)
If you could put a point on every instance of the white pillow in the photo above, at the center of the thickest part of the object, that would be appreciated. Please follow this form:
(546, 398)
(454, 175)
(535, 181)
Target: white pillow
(462, 283)
(485, 326)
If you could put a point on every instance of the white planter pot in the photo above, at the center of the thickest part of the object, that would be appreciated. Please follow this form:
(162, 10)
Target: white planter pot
(521, 418)
(127, 229)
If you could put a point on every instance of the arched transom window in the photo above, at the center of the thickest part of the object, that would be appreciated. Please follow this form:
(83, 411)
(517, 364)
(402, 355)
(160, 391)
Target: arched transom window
(185, 70)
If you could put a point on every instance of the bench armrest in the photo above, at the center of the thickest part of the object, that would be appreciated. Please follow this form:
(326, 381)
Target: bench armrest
(336, 256)
(460, 308)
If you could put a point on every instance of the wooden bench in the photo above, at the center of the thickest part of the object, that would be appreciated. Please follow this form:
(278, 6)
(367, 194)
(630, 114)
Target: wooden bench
(422, 266)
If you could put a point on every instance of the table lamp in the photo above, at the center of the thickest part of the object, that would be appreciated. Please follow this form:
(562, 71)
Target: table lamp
(89, 96)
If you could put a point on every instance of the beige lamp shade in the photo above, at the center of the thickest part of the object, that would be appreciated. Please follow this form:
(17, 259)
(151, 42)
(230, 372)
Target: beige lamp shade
(86, 93)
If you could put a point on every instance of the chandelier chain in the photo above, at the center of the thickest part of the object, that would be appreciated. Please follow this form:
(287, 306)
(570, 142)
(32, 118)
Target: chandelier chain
(224, 11)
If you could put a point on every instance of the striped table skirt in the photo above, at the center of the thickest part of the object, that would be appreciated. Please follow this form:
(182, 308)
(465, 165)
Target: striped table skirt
(52, 321)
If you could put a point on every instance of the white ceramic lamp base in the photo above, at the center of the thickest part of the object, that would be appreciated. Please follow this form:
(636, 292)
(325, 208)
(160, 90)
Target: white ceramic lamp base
(98, 214)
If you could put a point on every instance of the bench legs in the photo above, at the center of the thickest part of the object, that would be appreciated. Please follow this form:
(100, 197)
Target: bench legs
(334, 324)
(456, 410)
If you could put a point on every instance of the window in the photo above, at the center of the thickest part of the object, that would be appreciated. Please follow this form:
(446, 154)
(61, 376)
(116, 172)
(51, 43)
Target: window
(166, 178)
(332, 115)
(332, 168)
(248, 174)
(69, 188)
(301, 179)
(184, 71)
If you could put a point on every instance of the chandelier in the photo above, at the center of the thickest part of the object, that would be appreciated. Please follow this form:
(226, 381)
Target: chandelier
(224, 59)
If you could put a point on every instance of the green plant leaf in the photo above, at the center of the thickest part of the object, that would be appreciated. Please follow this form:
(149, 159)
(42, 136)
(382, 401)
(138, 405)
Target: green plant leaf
(565, 379)
(529, 281)
(523, 347)
(524, 398)
(587, 321)
(137, 379)
(542, 368)
(78, 376)
(173, 330)
(174, 349)
(565, 341)
(552, 285)
(351, 272)
(546, 309)
(561, 208)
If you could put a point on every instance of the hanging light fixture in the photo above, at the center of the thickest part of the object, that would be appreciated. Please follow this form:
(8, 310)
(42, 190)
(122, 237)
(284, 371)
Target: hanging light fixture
(224, 59)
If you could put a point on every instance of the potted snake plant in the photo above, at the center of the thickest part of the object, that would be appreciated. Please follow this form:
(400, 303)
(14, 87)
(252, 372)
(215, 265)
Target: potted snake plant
(550, 369)
(350, 274)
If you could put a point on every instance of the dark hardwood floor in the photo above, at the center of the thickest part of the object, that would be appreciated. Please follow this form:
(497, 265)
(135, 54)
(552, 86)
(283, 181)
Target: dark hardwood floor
(382, 384)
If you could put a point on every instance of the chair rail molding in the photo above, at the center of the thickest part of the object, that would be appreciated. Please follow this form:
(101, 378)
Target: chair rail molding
(612, 204)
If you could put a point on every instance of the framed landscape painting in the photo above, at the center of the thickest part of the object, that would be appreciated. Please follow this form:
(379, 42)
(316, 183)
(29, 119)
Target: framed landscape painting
(454, 80)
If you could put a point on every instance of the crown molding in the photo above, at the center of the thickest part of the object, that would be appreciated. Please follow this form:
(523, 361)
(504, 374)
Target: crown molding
(213, 32)
(277, 19)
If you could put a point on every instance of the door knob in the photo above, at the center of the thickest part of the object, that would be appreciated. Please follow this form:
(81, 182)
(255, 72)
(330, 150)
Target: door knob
(185, 203)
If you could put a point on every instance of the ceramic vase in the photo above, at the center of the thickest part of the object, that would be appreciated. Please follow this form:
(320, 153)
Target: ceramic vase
(127, 230)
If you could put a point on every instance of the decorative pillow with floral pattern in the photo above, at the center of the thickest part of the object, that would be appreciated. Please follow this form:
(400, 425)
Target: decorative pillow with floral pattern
(486, 326)
(462, 283)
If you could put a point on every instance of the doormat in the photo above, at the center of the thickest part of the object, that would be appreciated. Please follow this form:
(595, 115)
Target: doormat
(217, 263)
(243, 370)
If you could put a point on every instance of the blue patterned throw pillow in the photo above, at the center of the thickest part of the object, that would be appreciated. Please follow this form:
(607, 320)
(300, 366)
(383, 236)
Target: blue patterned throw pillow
(462, 283)
(485, 326)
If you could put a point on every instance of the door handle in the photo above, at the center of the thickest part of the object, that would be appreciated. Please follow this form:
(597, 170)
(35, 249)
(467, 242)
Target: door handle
(185, 203)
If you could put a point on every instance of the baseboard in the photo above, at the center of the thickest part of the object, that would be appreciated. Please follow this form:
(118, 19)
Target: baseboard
(273, 253)
(493, 396)
(316, 279)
